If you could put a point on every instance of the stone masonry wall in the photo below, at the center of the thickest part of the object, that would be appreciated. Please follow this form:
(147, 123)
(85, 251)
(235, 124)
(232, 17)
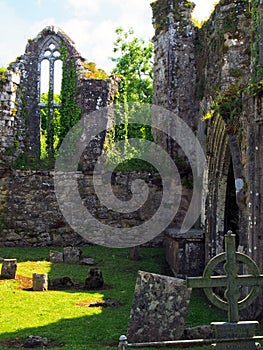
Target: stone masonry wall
(174, 65)
(227, 73)
(223, 68)
(30, 214)
(20, 94)
(8, 110)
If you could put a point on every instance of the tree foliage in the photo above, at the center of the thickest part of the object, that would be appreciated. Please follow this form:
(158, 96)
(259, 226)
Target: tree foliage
(134, 66)
(50, 124)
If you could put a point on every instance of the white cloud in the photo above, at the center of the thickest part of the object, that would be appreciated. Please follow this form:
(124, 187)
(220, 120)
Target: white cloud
(139, 17)
(83, 8)
(95, 43)
(91, 24)
(13, 34)
(94, 36)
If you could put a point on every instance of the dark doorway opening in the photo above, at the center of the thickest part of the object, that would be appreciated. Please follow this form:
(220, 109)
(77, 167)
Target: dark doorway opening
(231, 207)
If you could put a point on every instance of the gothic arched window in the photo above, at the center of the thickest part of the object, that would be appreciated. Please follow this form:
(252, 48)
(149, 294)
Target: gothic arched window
(50, 66)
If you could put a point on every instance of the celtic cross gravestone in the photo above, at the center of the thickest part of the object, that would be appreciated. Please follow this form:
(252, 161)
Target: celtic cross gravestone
(231, 335)
(231, 302)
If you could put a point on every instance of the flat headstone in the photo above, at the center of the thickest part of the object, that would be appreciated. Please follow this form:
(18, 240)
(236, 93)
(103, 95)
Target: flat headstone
(87, 261)
(34, 341)
(71, 255)
(8, 270)
(56, 257)
(40, 282)
(238, 330)
(61, 283)
(159, 309)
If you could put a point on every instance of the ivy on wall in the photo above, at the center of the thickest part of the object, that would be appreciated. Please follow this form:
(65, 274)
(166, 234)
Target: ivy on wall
(257, 70)
(3, 77)
(50, 121)
(69, 111)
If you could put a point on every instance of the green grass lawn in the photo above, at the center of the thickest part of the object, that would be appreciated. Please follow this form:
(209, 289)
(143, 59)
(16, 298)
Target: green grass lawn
(64, 315)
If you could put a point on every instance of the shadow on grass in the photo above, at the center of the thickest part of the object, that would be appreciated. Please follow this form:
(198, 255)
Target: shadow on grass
(93, 332)
(88, 332)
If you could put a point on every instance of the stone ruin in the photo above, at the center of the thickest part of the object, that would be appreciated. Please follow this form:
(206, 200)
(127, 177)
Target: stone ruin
(211, 77)
(29, 212)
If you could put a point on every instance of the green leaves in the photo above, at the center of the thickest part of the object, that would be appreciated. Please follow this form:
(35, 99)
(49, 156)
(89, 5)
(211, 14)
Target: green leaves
(69, 111)
(134, 65)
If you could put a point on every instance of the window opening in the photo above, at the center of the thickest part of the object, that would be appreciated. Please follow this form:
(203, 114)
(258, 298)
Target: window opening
(49, 100)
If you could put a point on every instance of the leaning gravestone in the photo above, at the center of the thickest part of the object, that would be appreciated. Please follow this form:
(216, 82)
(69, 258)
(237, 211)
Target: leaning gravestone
(8, 270)
(159, 308)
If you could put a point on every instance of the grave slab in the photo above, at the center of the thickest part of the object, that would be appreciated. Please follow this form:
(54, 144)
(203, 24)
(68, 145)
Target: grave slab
(243, 332)
(159, 308)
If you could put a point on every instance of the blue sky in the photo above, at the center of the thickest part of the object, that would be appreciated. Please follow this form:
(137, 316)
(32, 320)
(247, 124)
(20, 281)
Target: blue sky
(90, 24)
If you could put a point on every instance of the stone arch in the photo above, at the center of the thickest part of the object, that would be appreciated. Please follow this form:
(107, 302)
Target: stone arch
(46, 46)
(219, 162)
(20, 98)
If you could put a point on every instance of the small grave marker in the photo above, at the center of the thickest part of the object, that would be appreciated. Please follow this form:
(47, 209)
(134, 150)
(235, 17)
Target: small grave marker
(40, 282)
(8, 270)
(71, 255)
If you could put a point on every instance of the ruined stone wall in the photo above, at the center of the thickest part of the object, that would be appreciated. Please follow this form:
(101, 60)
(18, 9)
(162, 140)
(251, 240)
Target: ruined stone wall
(223, 66)
(8, 112)
(205, 74)
(94, 95)
(30, 214)
(174, 65)
(222, 61)
(20, 92)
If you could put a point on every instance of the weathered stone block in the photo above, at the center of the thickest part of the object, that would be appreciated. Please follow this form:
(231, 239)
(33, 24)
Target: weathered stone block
(87, 261)
(94, 279)
(61, 283)
(8, 270)
(159, 308)
(40, 282)
(239, 330)
(185, 252)
(55, 257)
(34, 341)
(72, 255)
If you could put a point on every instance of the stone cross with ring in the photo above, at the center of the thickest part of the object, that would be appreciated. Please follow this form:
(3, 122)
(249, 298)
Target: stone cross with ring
(232, 281)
